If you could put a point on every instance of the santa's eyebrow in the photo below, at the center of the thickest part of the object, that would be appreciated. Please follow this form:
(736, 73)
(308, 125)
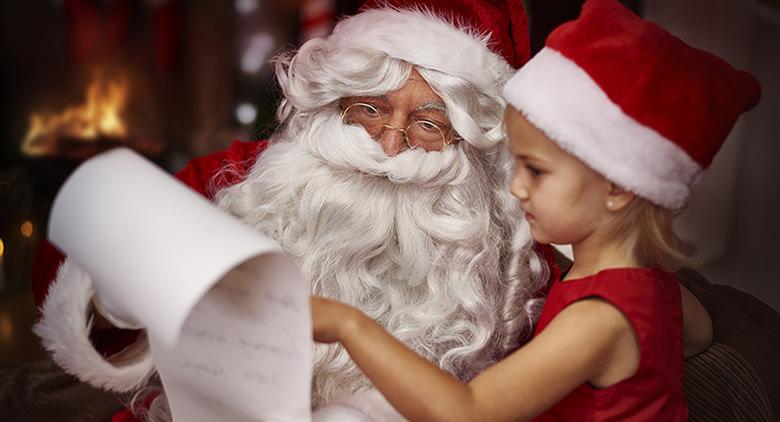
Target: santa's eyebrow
(358, 98)
(432, 106)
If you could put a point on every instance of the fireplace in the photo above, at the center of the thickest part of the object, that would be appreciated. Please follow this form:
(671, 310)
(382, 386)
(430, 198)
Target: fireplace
(95, 125)
(166, 78)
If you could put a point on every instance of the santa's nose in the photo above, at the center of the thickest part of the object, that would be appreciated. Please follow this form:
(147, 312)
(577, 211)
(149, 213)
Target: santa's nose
(392, 140)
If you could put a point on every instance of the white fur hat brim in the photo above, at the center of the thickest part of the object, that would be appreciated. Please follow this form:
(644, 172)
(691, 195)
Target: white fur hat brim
(422, 38)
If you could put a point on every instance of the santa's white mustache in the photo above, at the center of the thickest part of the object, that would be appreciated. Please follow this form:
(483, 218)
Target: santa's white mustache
(350, 147)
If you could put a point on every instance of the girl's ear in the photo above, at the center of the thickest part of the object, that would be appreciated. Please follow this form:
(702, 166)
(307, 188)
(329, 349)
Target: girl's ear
(617, 198)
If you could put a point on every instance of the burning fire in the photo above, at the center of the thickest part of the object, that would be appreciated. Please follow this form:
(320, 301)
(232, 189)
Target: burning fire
(99, 118)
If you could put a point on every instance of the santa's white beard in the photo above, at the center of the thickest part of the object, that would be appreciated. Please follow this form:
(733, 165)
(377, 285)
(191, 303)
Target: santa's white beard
(418, 241)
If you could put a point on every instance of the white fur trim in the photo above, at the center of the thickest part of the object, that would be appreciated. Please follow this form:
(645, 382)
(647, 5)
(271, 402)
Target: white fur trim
(64, 331)
(562, 100)
(422, 38)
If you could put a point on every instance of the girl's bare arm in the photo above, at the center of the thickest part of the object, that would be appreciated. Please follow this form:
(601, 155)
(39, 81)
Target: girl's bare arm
(588, 341)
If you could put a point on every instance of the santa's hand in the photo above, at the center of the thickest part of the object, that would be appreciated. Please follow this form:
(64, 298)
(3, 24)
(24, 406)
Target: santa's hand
(331, 319)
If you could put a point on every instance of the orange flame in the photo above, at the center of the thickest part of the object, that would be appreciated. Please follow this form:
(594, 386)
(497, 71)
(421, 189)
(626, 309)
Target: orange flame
(99, 117)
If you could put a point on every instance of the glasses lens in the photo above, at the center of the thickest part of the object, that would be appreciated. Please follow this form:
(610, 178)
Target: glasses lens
(425, 134)
(365, 115)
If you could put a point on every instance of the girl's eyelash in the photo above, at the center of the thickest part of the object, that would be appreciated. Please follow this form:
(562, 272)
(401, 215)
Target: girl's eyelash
(520, 162)
(534, 170)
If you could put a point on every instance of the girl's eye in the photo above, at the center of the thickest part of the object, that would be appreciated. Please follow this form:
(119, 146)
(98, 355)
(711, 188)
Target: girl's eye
(533, 170)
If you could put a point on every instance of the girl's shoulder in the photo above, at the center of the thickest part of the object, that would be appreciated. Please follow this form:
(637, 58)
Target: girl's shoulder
(641, 294)
(620, 283)
(627, 275)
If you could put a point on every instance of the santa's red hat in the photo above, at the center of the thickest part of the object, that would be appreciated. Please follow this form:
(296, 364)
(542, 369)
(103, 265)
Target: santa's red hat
(631, 101)
(479, 41)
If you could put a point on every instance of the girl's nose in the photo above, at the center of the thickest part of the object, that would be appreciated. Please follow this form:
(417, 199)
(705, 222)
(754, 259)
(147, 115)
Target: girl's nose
(522, 193)
(519, 191)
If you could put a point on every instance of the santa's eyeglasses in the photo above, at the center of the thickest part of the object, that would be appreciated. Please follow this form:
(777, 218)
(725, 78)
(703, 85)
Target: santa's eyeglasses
(423, 131)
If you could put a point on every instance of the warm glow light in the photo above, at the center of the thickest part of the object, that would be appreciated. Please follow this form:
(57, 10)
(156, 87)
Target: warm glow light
(6, 329)
(254, 57)
(26, 229)
(246, 113)
(245, 7)
(99, 116)
(2, 248)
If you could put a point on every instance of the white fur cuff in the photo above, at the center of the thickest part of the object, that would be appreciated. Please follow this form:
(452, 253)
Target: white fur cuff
(64, 331)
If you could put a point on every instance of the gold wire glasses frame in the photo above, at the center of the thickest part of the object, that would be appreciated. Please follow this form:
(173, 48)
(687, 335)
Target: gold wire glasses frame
(420, 133)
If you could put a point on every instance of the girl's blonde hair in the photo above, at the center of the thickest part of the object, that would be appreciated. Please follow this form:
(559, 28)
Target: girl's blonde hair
(654, 242)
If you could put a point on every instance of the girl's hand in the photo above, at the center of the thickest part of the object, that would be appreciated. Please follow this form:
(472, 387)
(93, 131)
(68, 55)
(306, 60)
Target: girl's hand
(331, 319)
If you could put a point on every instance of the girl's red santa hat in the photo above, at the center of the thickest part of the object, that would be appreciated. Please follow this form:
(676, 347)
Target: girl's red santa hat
(478, 41)
(631, 101)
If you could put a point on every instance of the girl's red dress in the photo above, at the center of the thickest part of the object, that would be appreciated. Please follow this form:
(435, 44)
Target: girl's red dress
(650, 300)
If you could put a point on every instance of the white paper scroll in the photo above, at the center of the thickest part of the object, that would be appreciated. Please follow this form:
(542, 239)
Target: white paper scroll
(227, 312)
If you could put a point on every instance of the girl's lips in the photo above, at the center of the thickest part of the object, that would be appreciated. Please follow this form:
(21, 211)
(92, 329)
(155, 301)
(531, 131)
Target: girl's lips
(529, 216)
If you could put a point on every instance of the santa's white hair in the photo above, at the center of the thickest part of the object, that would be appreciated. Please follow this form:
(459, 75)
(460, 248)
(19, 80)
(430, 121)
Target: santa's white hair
(430, 244)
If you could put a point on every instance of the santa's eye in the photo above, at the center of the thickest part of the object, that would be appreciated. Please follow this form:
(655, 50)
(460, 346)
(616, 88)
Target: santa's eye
(368, 110)
(428, 126)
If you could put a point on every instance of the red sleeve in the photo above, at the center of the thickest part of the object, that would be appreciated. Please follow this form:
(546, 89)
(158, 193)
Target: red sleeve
(206, 175)
(47, 262)
(229, 166)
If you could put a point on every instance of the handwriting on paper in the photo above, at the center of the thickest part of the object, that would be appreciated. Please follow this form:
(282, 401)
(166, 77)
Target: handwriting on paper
(285, 351)
(205, 334)
(257, 376)
(210, 367)
(247, 343)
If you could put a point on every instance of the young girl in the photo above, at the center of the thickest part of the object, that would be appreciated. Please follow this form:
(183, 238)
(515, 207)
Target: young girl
(609, 125)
